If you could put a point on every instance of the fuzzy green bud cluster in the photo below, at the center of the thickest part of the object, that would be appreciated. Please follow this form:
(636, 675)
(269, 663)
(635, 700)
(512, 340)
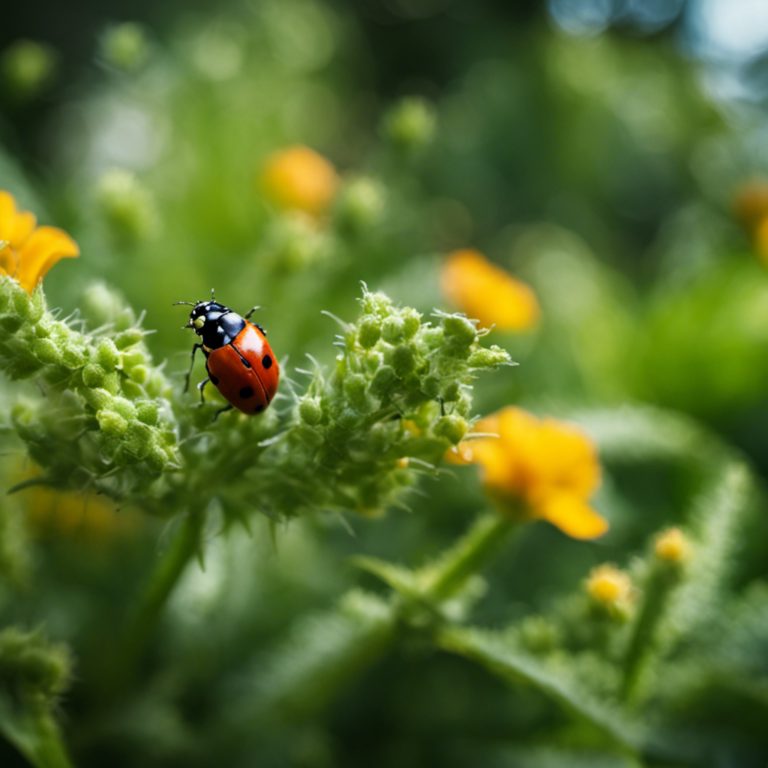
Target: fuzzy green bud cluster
(30, 668)
(397, 400)
(126, 205)
(410, 124)
(360, 205)
(101, 413)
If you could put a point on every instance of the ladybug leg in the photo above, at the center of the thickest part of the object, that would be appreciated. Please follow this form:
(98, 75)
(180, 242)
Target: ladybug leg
(201, 386)
(222, 410)
(247, 317)
(195, 347)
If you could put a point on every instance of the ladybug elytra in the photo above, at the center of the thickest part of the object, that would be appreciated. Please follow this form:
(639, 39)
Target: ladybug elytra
(239, 361)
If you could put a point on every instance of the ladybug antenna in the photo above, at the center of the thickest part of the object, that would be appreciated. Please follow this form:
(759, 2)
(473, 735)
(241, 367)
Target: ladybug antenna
(212, 296)
(191, 304)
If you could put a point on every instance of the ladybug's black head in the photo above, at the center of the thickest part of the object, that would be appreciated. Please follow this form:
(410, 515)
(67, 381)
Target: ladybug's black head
(215, 323)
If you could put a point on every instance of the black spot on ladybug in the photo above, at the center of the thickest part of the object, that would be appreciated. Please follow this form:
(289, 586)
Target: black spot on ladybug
(259, 408)
(246, 392)
(213, 379)
(245, 362)
(266, 361)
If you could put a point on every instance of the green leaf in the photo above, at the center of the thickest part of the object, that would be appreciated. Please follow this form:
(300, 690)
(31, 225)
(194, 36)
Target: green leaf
(496, 653)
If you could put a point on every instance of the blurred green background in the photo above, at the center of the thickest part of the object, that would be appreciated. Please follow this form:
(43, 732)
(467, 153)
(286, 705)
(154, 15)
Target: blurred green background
(600, 150)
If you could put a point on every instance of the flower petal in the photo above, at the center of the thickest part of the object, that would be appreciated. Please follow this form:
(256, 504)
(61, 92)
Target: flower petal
(8, 260)
(23, 228)
(7, 215)
(572, 516)
(488, 293)
(42, 250)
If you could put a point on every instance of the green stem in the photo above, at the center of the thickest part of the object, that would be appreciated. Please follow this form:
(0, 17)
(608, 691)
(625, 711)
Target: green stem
(148, 608)
(657, 592)
(470, 554)
(36, 735)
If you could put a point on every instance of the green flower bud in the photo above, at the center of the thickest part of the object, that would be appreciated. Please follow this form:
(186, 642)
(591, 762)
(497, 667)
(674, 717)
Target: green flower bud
(488, 358)
(22, 304)
(132, 358)
(148, 412)
(111, 423)
(460, 330)
(139, 373)
(43, 329)
(156, 459)
(128, 338)
(124, 407)
(411, 323)
(126, 205)
(112, 383)
(310, 411)
(403, 360)
(369, 332)
(93, 375)
(360, 205)
(107, 355)
(103, 306)
(430, 386)
(98, 399)
(138, 439)
(376, 304)
(452, 428)
(10, 324)
(355, 390)
(46, 351)
(38, 306)
(410, 124)
(72, 356)
(432, 338)
(451, 392)
(383, 381)
(392, 329)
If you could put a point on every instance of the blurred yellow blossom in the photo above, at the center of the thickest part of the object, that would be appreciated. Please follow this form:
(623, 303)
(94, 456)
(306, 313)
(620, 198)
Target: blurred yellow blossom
(298, 178)
(31, 250)
(750, 205)
(538, 469)
(486, 292)
(672, 546)
(91, 518)
(609, 586)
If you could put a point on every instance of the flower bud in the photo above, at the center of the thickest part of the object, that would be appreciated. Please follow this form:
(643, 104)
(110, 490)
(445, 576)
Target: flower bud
(310, 411)
(488, 358)
(93, 375)
(27, 68)
(107, 355)
(403, 360)
(72, 356)
(128, 338)
(127, 206)
(452, 428)
(98, 399)
(124, 407)
(392, 329)
(139, 373)
(411, 323)
(111, 423)
(459, 330)
(410, 124)
(672, 546)
(355, 391)
(369, 332)
(46, 351)
(383, 380)
(157, 459)
(148, 412)
(360, 205)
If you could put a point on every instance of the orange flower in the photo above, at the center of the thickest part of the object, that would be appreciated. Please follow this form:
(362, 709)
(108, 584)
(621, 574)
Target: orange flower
(538, 469)
(298, 178)
(30, 251)
(487, 293)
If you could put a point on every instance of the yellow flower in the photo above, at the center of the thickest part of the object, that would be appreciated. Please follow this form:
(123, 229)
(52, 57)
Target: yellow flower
(538, 469)
(750, 205)
(298, 178)
(487, 293)
(31, 250)
(609, 586)
(672, 546)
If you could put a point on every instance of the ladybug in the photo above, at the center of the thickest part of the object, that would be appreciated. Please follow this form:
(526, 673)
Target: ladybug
(239, 361)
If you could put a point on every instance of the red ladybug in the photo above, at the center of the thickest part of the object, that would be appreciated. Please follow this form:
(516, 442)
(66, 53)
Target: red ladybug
(239, 360)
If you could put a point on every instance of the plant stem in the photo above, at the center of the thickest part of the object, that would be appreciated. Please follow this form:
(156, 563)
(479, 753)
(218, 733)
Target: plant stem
(35, 734)
(470, 554)
(146, 612)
